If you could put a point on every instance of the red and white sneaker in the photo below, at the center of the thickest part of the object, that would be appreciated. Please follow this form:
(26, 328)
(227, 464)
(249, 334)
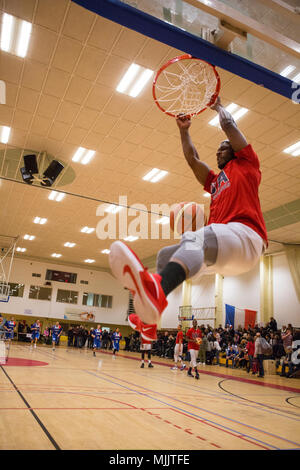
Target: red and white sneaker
(149, 298)
(135, 322)
(148, 332)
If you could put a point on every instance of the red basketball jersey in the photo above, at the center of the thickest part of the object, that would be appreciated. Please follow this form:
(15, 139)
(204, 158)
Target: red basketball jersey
(234, 192)
(179, 337)
(191, 335)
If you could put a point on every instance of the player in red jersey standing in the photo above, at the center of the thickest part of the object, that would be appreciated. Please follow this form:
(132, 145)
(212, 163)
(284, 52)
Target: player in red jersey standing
(146, 346)
(194, 336)
(231, 243)
(178, 350)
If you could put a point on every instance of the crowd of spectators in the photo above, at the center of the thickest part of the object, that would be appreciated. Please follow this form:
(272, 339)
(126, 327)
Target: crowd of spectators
(240, 347)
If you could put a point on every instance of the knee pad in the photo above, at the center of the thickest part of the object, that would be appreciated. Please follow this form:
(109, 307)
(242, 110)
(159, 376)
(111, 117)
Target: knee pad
(164, 255)
(196, 248)
(191, 252)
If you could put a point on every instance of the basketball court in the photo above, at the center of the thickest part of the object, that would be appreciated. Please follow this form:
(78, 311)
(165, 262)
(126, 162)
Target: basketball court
(64, 96)
(70, 400)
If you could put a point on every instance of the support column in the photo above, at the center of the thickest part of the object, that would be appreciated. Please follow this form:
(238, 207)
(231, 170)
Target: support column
(219, 299)
(186, 300)
(187, 292)
(266, 288)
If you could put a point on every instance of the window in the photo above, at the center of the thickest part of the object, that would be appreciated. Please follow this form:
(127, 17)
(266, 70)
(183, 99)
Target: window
(40, 293)
(67, 296)
(97, 300)
(16, 290)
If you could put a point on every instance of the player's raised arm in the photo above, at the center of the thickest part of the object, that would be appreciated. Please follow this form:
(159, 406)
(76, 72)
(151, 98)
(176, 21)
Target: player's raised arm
(199, 168)
(228, 125)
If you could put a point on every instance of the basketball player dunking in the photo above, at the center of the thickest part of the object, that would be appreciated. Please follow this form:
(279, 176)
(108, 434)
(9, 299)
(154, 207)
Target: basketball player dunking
(230, 244)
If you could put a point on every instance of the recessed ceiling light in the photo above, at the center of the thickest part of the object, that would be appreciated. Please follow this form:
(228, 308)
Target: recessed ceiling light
(106, 251)
(293, 150)
(20, 249)
(69, 245)
(131, 238)
(29, 237)
(89, 261)
(154, 175)
(39, 220)
(56, 196)
(5, 132)
(236, 111)
(15, 35)
(87, 229)
(56, 255)
(134, 80)
(83, 155)
(287, 70)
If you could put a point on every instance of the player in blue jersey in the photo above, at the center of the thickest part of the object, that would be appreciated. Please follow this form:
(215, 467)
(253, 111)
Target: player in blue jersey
(9, 327)
(35, 333)
(56, 331)
(97, 336)
(116, 337)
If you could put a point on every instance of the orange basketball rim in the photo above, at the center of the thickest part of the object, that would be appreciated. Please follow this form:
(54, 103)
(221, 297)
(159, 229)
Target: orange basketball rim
(186, 85)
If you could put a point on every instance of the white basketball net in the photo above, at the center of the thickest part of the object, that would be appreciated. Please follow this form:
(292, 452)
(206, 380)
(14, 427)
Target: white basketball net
(185, 87)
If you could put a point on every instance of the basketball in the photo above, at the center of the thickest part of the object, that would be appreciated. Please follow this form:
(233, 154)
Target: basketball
(187, 216)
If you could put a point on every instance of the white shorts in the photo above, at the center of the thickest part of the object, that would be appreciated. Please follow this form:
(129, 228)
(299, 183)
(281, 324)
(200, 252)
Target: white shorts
(178, 350)
(145, 347)
(239, 249)
(194, 355)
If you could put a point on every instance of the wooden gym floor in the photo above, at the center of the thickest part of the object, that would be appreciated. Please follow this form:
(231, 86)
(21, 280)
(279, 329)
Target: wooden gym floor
(68, 399)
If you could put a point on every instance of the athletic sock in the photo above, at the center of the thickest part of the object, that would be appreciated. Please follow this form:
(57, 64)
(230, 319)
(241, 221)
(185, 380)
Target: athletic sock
(172, 276)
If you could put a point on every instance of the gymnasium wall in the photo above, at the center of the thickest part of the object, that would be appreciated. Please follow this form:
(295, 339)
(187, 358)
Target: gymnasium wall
(98, 283)
(286, 304)
(243, 292)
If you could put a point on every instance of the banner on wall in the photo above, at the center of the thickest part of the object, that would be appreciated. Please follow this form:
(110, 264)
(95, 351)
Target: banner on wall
(237, 316)
(79, 315)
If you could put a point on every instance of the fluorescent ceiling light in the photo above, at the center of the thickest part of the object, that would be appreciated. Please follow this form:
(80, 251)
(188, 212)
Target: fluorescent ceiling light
(8, 23)
(89, 261)
(293, 150)
(134, 80)
(56, 255)
(140, 83)
(39, 220)
(159, 176)
(21, 249)
(131, 238)
(239, 113)
(296, 78)
(106, 251)
(163, 220)
(5, 132)
(87, 229)
(83, 155)
(55, 196)
(287, 70)
(69, 245)
(15, 35)
(23, 38)
(236, 111)
(155, 175)
(29, 237)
